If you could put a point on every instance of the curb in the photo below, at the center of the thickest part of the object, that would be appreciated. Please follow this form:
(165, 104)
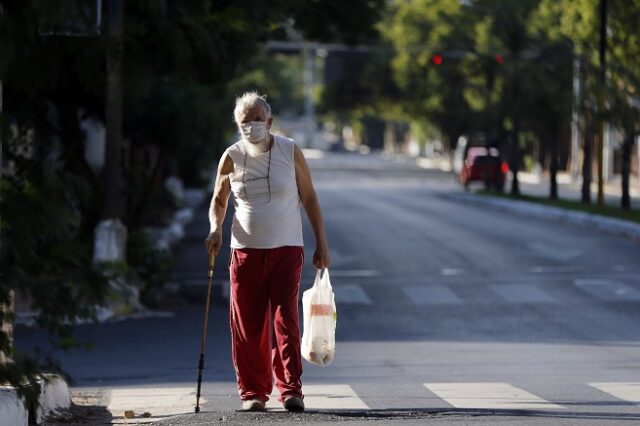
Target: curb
(585, 220)
(54, 398)
(12, 409)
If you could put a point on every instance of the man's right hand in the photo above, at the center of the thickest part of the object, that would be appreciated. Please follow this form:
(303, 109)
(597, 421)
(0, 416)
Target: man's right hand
(213, 242)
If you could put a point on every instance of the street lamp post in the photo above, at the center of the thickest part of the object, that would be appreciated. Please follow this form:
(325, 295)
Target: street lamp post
(601, 92)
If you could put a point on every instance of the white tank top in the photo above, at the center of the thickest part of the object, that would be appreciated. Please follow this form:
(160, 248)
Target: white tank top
(267, 210)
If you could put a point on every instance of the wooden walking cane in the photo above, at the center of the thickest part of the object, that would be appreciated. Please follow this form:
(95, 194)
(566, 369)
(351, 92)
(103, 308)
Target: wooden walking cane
(203, 342)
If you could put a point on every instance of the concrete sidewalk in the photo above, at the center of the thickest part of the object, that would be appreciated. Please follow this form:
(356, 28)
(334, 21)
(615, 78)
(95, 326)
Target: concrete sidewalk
(537, 184)
(606, 224)
(568, 187)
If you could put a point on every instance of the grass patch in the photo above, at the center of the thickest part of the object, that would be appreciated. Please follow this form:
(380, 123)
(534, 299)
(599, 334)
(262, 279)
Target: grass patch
(607, 210)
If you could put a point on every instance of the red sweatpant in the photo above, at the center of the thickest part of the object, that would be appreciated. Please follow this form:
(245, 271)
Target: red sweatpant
(264, 287)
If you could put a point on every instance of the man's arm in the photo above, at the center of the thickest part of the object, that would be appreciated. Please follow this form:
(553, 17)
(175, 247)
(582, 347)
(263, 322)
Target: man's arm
(311, 206)
(218, 206)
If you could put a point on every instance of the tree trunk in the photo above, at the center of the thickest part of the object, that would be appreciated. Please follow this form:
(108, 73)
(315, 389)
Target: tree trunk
(587, 166)
(6, 322)
(113, 112)
(152, 184)
(515, 134)
(553, 166)
(6, 310)
(452, 138)
(626, 169)
(514, 162)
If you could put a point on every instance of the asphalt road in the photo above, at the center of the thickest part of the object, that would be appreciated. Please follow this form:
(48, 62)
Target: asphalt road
(447, 313)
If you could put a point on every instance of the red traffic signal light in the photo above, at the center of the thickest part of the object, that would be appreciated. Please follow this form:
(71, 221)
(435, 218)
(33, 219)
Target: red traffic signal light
(436, 59)
(499, 59)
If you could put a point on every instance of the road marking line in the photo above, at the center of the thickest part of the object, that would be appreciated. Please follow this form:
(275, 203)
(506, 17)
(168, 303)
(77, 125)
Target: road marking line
(624, 391)
(554, 252)
(554, 269)
(608, 290)
(157, 401)
(515, 293)
(432, 295)
(489, 395)
(354, 273)
(351, 294)
(324, 397)
(347, 294)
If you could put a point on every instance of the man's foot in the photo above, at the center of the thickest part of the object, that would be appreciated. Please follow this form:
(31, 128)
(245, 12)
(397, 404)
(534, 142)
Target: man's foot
(253, 405)
(294, 404)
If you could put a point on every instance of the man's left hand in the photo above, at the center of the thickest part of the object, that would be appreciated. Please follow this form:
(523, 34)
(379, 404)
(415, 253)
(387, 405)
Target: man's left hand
(321, 257)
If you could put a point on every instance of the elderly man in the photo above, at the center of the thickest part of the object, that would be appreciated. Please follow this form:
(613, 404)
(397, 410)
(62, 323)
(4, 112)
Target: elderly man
(270, 179)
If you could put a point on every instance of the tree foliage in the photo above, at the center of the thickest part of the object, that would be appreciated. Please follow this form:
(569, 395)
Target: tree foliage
(505, 69)
(624, 83)
(432, 91)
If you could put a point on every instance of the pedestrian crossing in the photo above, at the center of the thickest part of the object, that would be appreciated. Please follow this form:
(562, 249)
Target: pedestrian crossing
(348, 293)
(500, 396)
(608, 290)
(325, 397)
(625, 391)
(431, 295)
(161, 402)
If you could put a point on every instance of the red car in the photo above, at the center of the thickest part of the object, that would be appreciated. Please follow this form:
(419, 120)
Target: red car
(483, 164)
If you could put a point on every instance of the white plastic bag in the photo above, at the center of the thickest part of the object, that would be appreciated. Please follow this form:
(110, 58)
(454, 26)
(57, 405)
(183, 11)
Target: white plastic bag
(319, 309)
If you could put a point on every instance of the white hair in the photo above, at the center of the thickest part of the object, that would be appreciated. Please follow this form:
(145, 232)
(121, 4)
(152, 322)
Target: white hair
(248, 101)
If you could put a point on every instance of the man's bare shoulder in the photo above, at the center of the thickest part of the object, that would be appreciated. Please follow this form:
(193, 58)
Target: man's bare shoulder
(225, 166)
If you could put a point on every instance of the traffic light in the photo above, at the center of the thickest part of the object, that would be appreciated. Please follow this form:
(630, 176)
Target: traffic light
(437, 59)
(499, 59)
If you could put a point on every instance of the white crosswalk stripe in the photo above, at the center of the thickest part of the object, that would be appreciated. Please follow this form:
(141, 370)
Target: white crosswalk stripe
(489, 396)
(516, 293)
(431, 295)
(351, 294)
(608, 290)
(325, 397)
(346, 294)
(624, 391)
(353, 273)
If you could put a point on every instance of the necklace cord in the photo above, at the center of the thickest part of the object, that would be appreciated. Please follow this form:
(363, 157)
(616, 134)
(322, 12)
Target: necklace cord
(244, 174)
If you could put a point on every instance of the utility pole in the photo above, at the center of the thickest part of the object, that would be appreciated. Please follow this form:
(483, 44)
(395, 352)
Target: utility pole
(111, 234)
(601, 92)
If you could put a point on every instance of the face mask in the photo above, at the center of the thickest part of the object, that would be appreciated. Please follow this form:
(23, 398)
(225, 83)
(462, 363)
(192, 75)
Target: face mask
(254, 131)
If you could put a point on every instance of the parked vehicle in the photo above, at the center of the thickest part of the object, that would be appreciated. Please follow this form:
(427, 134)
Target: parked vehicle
(483, 164)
